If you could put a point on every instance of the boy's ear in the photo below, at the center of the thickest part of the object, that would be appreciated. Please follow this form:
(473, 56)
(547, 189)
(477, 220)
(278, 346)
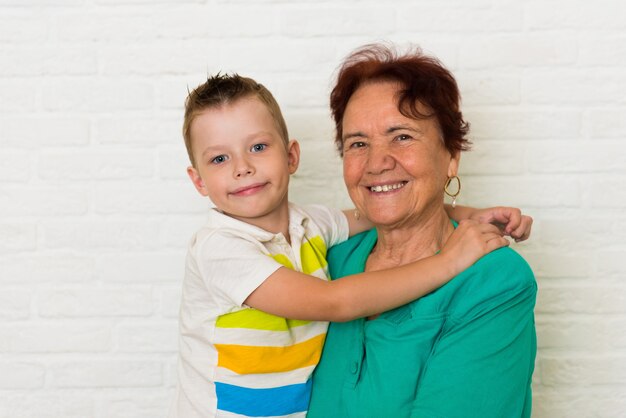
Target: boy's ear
(197, 181)
(293, 155)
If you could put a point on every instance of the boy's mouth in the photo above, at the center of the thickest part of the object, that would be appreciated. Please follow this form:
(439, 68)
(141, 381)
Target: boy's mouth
(248, 190)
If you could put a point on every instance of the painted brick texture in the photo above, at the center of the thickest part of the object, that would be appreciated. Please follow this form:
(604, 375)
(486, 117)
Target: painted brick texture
(96, 209)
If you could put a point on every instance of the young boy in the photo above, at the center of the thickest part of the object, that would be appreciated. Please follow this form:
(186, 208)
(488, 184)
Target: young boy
(260, 260)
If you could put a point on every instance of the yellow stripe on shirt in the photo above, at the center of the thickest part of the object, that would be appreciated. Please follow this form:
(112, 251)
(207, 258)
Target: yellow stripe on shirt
(313, 255)
(282, 259)
(244, 359)
(255, 319)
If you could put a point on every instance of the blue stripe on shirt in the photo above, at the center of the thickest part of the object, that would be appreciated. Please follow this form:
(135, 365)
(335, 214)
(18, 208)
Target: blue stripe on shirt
(282, 400)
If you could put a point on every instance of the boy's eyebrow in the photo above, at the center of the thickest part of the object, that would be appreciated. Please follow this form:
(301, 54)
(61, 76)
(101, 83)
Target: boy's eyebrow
(260, 133)
(250, 137)
(209, 149)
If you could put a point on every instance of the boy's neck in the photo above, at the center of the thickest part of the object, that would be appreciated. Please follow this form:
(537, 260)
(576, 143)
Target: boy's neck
(275, 222)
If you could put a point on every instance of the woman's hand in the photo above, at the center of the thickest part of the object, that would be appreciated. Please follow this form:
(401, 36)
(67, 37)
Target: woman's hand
(510, 220)
(470, 241)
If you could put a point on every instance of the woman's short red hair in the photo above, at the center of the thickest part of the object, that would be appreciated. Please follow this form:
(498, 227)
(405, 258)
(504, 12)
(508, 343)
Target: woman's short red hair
(423, 79)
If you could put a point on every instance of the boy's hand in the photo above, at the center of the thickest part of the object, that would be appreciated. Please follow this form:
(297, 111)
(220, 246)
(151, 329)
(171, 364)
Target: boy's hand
(509, 220)
(470, 241)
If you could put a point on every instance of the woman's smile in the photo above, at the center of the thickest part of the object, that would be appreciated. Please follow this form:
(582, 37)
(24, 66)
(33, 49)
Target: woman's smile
(385, 188)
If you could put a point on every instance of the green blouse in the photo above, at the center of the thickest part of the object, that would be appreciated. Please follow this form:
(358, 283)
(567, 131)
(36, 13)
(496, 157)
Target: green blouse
(465, 350)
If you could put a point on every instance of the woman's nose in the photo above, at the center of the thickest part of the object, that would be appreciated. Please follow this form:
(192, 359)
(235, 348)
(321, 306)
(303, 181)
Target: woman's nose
(379, 160)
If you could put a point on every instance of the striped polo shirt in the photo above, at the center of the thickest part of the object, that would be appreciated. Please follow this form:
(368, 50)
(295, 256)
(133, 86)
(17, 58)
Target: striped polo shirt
(236, 361)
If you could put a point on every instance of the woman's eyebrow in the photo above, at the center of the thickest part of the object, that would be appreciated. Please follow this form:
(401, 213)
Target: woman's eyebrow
(395, 128)
(357, 134)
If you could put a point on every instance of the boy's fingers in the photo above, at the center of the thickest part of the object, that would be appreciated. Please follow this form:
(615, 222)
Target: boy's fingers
(513, 220)
(505, 215)
(523, 231)
(489, 228)
(489, 236)
(497, 242)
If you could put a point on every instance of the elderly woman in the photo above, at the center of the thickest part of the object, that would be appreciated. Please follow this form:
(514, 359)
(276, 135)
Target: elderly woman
(465, 350)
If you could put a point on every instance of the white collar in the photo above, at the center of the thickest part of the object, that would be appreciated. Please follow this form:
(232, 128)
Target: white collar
(298, 219)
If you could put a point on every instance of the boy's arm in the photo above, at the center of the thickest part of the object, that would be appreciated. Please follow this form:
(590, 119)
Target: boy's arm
(510, 220)
(295, 295)
(357, 223)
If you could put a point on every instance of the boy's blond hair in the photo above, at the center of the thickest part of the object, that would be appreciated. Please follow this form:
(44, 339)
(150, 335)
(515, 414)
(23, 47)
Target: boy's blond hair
(222, 89)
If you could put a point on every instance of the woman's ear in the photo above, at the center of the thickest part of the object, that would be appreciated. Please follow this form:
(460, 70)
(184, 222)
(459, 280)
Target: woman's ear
(197, 181)
(293, 155)
(453, 166)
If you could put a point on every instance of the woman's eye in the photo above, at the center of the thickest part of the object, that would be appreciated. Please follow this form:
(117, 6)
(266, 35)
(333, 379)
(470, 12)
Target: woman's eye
(258, 147)
(403, 137)
(356, 144)
(219, 159)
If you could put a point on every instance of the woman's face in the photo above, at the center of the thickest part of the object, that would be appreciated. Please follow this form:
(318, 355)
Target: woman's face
(394, 167)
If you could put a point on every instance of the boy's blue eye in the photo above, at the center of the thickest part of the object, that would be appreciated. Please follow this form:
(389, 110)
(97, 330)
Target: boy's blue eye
(219, 159)
(258, 147)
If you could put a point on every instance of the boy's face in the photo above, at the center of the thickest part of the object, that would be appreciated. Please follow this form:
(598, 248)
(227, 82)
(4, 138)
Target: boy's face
(242, 162)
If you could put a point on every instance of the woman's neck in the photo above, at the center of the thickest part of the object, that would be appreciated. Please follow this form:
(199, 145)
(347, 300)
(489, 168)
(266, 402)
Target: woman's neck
(400, 245)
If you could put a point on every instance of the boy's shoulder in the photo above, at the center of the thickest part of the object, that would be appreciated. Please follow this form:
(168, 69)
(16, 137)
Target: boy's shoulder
(330, 224)
(225, 233)
(222, 234)
(216, 220)
(313, 213)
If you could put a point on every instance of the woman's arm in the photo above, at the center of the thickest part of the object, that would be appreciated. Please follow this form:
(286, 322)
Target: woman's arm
(295, 295)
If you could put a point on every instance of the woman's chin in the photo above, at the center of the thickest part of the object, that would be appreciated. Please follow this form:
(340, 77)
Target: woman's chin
(386, 218)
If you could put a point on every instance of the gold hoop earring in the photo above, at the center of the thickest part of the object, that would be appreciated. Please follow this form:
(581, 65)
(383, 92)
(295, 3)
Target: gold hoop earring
(357, 214)
(458, 190)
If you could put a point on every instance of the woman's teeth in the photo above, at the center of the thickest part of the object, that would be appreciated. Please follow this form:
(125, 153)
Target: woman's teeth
(387, 187)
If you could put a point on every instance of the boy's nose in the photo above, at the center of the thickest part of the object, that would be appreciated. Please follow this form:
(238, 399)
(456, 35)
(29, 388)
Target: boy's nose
(243, 172)
(243, 169)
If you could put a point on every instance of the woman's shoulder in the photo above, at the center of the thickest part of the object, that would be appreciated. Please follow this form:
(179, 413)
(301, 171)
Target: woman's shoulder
(507, 261)
(498, 278)
(349, 256)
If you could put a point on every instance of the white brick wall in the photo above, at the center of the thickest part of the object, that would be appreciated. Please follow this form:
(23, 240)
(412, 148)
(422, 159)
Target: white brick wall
(96, 210)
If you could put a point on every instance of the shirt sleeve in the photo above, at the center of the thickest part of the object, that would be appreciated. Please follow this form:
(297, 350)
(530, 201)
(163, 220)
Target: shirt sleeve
(482, 366)
(332, 223)
(232, 267)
